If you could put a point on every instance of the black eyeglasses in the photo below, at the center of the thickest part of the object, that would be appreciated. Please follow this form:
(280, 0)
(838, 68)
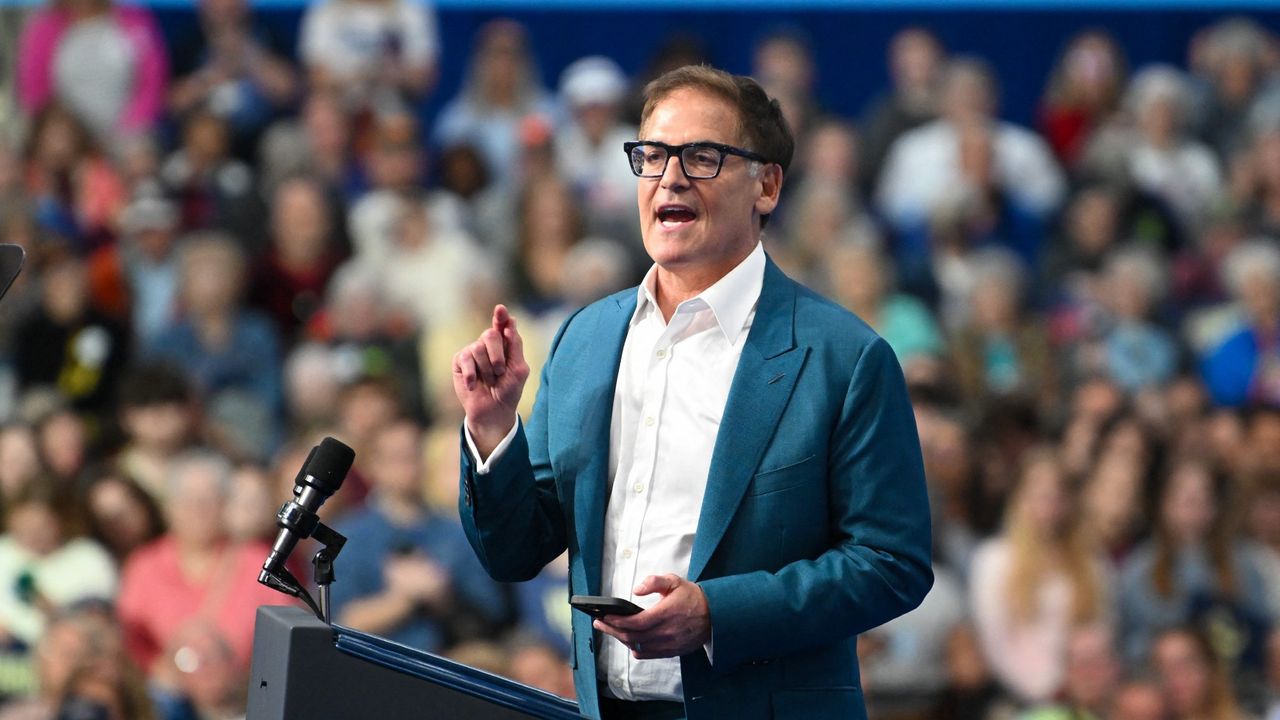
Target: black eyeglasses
(698, 160)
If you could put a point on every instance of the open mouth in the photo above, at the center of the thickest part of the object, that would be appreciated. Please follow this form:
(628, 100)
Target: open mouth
(675, 215)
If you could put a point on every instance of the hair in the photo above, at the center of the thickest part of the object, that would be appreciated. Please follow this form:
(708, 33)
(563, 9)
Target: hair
(103, 474)
(1028, 569)
(1158, 82)
(1254, 256)
(154, 383)
(182, 465)
(761, 124)
(1058, 88)
(1220, 701)
(1219, 542)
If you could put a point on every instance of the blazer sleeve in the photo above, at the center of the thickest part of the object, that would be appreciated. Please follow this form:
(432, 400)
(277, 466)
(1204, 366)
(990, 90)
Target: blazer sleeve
(878, 565)
(512, 514)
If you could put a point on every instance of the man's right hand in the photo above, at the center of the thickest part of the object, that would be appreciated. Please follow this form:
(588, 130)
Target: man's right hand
(488, 378)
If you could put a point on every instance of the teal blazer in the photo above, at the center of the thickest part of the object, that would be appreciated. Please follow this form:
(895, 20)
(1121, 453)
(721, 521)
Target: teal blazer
(815, 522)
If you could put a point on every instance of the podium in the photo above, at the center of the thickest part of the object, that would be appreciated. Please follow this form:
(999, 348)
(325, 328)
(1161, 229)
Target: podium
(304, 669)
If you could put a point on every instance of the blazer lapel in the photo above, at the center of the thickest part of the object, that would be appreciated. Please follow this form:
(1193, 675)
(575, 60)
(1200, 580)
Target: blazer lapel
(598, 378)
(761, 387)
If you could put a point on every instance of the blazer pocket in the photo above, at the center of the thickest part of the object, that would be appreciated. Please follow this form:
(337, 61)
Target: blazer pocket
(781, 478)
(819, 703)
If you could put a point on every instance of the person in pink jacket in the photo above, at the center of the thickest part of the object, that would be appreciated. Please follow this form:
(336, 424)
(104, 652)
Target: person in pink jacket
(106, 62)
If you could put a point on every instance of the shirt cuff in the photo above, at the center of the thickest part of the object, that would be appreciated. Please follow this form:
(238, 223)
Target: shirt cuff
(483, 464)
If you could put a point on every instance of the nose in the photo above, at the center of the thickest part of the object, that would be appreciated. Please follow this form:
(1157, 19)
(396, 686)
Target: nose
(674, 178)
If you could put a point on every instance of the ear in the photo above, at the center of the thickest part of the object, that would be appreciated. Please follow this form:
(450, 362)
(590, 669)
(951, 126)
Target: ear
(770, 188)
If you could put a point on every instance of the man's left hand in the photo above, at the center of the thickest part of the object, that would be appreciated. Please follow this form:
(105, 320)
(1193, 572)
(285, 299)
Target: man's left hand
(679, 624)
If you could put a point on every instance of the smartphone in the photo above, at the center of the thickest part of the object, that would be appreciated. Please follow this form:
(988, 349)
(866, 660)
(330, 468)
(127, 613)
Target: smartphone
(598, 606)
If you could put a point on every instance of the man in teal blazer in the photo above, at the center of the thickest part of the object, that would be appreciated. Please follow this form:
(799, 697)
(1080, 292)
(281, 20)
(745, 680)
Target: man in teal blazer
(814, 523)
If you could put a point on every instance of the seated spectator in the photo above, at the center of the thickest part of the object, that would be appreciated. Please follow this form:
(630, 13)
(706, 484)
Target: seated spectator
(782, 62)
(1032, 583)
(1156, 153)
(586, 148)
(159, 420)
(937, 160)
(1083, 93)
(410, 575)
(236, 67)
(1072, 268)
(1255, 180)
(44, 567)
(136, 279)
(374, 53)
(119, 513)
(213, 190)
(903, 662)
(64, 441)
(201, 678)
(1234, 57)
(106, 62)
(1194, 681)
(1139, 700)
(1243, 367)
(1112, 500)
(499, 90)
(223, 347)
(194, 574)
(83, 672)
(427, 268)
(252, 505)
(915, 61)
(1000, 349)
(861, 279)
(539, 665)
(289, 282)
(549, 224)
(1193, 569)
(1092, 675)
(69, 345)
(951, 472)
(70, 181)
(20, 461)
(1130, 348)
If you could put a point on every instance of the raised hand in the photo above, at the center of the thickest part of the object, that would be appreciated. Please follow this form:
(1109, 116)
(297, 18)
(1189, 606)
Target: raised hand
(488, 378)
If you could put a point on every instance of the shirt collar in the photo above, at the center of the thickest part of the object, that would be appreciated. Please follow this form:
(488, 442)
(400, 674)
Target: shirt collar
(731, 298)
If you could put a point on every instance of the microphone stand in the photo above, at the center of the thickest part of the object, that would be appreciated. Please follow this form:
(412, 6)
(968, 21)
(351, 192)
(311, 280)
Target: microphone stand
(308, 525)
(323, 564)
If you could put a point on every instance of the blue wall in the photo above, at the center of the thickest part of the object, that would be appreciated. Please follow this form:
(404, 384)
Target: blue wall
(1021, 39)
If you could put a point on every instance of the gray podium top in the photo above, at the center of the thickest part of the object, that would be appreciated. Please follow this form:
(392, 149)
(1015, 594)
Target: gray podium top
(304, 669)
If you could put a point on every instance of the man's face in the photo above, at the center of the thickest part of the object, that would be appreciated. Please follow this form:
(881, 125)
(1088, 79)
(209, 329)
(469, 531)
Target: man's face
(702, 228)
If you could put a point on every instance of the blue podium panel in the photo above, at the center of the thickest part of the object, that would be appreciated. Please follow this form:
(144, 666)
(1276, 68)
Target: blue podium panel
(304, 669)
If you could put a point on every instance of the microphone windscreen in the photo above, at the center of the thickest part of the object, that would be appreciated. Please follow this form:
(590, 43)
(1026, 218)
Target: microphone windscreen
(329, 464)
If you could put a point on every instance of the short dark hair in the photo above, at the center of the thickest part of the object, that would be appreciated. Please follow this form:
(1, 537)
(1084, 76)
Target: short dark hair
(155, 383)
(761, 124)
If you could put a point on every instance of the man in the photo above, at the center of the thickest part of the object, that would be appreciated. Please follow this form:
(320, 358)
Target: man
(733, 452)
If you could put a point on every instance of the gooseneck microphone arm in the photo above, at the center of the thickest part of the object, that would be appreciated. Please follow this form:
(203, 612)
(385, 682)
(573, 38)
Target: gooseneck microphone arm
(320, 477)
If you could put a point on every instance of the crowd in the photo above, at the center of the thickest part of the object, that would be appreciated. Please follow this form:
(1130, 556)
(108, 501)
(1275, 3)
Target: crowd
(235, 247)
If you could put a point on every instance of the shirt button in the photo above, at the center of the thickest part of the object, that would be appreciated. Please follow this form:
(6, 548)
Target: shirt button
(627, 553)
(648, 421)
(617, 682)
(662, 353)
(639, 487)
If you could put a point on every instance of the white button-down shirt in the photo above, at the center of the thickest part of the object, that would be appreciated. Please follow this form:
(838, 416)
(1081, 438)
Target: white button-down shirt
(673, 383)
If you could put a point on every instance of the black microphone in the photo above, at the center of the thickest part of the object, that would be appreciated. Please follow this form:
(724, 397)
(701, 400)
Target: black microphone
(321, 476)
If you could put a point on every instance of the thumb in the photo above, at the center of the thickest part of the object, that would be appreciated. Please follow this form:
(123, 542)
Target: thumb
(663, 584)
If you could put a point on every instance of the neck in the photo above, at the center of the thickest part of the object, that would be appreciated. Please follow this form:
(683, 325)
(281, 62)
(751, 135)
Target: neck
(674, 286)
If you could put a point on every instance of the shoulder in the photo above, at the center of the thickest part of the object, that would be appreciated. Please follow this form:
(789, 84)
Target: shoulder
(823, 324)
